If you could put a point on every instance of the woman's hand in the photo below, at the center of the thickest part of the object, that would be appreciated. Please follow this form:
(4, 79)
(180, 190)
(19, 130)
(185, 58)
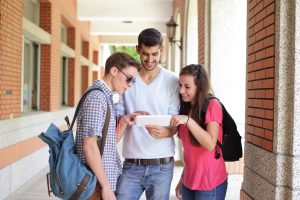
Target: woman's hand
(178, 190)
(176, 120)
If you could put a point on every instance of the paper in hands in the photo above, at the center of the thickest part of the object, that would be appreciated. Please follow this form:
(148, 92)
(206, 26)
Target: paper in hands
(159, 120)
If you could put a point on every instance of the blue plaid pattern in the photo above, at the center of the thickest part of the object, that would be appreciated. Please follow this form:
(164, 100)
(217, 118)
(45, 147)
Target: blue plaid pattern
(90, 121)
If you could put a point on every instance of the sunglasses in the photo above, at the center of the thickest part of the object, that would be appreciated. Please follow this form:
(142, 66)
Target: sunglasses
(129, 79)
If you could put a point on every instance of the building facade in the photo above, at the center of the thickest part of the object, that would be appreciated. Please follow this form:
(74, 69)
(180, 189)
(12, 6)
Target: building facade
(47, 60)
(251, 50)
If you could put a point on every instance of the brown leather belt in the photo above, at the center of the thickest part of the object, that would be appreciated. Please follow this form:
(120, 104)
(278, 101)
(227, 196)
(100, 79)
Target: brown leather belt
(155, 161)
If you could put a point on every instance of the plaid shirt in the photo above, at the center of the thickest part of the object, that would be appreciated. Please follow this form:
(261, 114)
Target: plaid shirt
(90, 121)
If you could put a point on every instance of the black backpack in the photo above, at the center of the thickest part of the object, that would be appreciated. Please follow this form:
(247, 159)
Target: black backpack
(232, 145)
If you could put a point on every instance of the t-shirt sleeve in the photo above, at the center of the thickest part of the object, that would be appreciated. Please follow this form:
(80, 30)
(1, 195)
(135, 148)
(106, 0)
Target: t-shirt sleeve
(214, 112)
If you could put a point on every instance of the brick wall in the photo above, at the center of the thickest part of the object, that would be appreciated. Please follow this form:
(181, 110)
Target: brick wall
(71, 41)
(45, 18)
(95, 57)
(10, 58)
(85, 78)
(95, 76)
(260, 73)
(71, 82)
(71, 37)
(85, 49)
(52, 15)
(201, 33)
(50, 21)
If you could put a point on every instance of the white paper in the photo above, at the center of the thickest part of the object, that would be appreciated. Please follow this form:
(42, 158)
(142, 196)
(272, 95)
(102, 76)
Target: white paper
(160, 120)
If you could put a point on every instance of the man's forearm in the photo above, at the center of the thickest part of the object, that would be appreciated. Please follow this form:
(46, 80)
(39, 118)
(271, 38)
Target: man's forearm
(122, 125)
(94, 160)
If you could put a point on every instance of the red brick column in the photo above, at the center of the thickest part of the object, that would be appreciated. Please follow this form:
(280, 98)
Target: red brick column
(95, 75)
(260, 77)
(71, 82)
(201, 33)
(10, 58)
(85, 69)
(71, 67)
(260, 73)
(50, 57)
(85, 49)
(95, 57)
(85, 78)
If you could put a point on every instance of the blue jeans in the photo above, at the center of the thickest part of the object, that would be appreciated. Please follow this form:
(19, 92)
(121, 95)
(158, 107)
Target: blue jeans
(155, 180)
(218, 193)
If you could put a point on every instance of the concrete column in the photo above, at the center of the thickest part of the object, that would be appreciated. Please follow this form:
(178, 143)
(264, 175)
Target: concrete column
(287, 100)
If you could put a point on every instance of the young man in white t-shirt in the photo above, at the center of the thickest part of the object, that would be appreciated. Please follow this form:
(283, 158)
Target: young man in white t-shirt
(149, 151)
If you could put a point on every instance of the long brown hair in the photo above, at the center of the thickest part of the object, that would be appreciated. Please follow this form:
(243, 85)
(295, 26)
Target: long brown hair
(203, 89)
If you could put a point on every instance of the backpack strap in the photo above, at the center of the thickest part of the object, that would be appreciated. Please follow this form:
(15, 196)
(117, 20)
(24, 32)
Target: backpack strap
(79, 105)
(102, 140)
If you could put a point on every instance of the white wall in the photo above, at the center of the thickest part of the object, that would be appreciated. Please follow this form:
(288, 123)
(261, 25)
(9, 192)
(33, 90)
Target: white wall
(228, 56)
(192, 33)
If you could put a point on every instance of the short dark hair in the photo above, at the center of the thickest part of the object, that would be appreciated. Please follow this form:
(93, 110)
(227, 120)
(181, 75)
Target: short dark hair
(120, 60)
(150, 37)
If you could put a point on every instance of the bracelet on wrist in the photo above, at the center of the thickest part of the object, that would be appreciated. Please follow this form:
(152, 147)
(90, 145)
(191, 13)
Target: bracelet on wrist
(187, 120)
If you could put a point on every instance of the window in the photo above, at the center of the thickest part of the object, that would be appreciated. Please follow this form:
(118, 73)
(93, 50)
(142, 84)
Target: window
(30, 83)
(64, 81)
(31, 11)
(64, 34)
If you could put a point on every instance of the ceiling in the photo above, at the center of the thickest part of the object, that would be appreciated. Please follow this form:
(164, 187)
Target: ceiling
(120, 21)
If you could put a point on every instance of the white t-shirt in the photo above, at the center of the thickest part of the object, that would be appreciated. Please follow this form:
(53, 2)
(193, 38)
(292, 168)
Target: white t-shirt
(160, 97)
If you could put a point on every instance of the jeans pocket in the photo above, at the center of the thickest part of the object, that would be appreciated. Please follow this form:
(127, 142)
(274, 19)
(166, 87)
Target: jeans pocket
(167, 167)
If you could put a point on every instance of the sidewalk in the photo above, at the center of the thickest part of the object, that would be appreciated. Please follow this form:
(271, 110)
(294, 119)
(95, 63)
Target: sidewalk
(37, 188)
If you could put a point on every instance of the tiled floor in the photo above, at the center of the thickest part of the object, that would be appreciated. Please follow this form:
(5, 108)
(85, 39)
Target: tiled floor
(37, 188)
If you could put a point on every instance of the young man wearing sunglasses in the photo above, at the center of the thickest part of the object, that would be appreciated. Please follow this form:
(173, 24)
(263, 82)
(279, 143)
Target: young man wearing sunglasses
(120, 72)
(148, 151)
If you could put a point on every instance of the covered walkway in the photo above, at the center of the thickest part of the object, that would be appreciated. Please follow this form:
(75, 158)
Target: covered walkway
(52, 50)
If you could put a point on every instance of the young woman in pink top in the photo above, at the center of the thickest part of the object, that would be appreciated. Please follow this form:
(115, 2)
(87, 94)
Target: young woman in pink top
(204, 175)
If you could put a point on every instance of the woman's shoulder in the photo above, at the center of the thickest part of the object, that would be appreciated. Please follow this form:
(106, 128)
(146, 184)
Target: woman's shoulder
(214, 102)
(214, 111)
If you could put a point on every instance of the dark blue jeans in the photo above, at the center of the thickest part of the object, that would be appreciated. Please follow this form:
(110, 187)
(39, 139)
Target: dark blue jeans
(218, 193)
